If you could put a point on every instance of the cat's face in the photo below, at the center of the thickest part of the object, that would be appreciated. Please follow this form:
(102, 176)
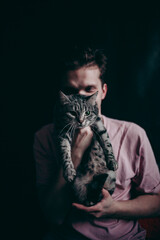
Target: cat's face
(85, 81)
(80, 110)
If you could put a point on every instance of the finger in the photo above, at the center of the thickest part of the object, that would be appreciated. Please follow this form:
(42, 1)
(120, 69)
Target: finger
(84, 208)
(85, 130)
(98, 206)
(96, 214)
(105, 193)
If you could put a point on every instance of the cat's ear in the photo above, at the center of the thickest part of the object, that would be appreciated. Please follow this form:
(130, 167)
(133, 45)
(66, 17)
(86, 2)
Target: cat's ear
(92, 99)
(63, 98)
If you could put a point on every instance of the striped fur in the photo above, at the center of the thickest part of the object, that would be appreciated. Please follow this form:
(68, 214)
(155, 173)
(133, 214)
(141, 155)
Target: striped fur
(98, 166)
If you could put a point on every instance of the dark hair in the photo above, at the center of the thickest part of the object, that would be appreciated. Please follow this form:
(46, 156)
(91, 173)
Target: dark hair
(78, 57)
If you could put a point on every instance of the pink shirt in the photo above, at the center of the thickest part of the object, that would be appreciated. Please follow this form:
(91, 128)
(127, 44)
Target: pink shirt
(137, 169)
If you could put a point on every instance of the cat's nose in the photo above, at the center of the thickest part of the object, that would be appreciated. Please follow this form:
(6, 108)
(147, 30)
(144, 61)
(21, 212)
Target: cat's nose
(82, 92)
(80, 120)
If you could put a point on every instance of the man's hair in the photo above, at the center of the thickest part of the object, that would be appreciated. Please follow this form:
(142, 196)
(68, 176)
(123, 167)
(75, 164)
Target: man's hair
(78, 57)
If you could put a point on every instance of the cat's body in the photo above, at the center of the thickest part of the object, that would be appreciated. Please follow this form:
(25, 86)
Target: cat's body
(98, 165)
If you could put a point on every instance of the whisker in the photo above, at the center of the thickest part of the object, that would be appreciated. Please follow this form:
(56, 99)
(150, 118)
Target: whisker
(95, 132)
(69, 128)
(63, 129)
(73, 130)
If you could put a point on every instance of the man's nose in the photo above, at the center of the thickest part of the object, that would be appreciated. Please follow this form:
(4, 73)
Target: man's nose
(82, 92)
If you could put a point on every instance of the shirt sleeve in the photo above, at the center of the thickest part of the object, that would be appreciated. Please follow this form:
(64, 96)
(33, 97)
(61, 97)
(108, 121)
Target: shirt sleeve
(45, 157)
(147, 179)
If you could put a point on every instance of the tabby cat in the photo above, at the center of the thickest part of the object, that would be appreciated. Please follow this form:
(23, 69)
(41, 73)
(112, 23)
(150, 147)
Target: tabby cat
(98, 166)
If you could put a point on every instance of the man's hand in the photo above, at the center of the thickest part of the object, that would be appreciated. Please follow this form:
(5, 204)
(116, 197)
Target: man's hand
(142, 206)
(105, 208)
(81, 142)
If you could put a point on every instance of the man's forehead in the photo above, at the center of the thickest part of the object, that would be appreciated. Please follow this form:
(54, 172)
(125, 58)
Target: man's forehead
(83, 83)
(83, 76)
(84, 72)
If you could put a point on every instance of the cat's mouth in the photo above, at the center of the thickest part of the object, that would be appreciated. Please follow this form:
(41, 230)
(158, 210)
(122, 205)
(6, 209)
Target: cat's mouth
(82, 125)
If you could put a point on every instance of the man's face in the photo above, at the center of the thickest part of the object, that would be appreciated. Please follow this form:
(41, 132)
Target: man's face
(86, 81)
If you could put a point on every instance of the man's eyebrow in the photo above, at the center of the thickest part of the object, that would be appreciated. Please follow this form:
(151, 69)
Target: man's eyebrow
(91, 85)
(74, 89)
(69, 89)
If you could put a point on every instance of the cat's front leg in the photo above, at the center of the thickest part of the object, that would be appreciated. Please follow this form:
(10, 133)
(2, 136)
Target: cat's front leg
(69, 172)
(105, 143)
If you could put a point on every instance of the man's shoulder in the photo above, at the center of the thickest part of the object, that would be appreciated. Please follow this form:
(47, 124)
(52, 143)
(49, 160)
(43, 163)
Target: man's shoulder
(46, 129)
(44, 139)
(131, 128)
(45, 133)
(113, 126)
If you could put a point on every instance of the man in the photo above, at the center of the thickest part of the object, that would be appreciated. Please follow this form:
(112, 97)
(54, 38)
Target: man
(138, 179)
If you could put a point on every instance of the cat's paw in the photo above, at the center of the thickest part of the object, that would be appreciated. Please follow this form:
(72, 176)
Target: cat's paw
(69, 174)
(113, 165)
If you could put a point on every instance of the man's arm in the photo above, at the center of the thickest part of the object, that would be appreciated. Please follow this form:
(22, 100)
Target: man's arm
(147, 182)
(55, 199)
(141, 206)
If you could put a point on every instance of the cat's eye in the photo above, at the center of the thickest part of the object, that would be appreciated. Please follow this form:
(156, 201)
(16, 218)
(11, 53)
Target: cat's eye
(73, 113)
(87, 113)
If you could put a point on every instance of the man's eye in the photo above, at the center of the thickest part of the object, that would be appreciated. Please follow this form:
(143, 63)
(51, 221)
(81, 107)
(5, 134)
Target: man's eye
(89, 89)
(69, 90)
(87, 113)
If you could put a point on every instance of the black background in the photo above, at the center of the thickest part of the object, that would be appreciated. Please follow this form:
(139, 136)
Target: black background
(32, 35)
